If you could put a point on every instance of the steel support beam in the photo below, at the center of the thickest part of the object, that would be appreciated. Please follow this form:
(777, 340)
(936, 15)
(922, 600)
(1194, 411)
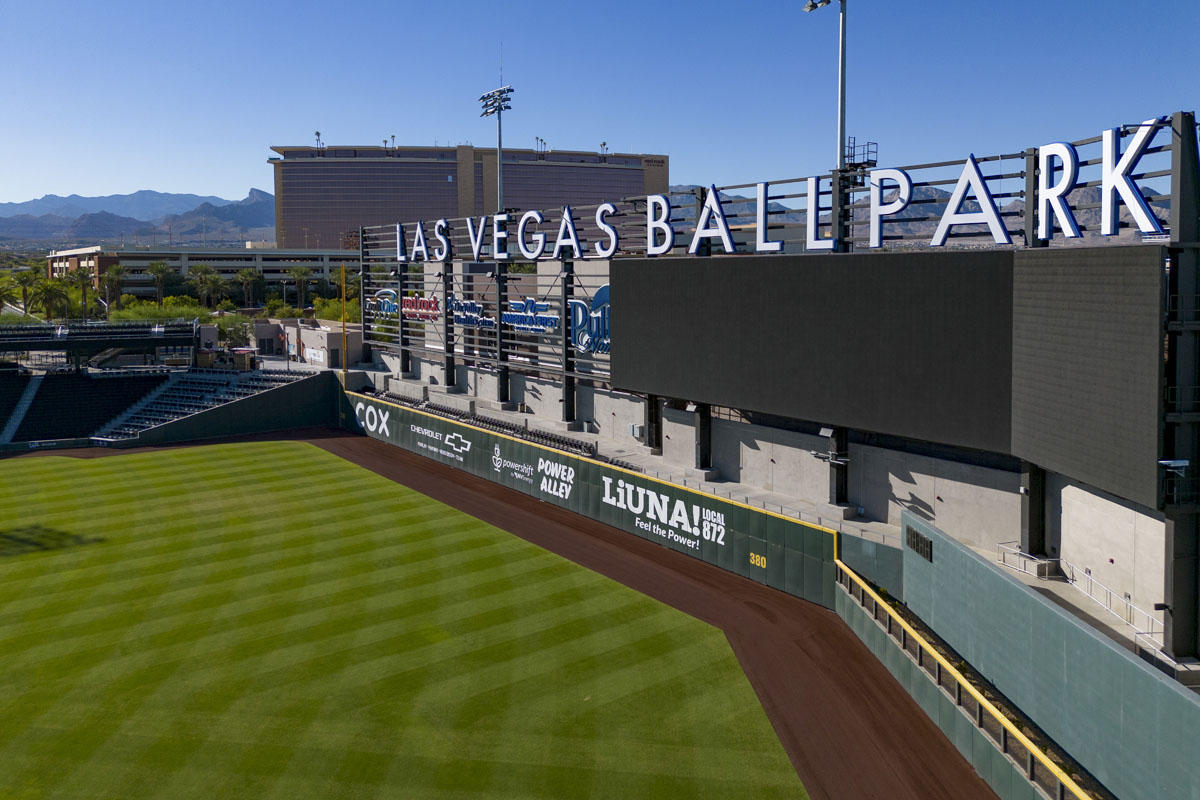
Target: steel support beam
(568, 350)
(1033, 509)
(1181, 621)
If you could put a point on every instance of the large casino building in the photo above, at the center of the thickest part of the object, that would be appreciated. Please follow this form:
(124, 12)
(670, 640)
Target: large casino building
(324, 193)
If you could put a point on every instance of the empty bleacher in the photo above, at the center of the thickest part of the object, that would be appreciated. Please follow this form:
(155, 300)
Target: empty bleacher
(192, 392)
(75, 405)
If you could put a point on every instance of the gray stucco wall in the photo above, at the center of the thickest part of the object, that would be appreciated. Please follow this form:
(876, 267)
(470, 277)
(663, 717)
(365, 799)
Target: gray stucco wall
(679, 437)
(1124, 545)
(976, 505)
(771, 459)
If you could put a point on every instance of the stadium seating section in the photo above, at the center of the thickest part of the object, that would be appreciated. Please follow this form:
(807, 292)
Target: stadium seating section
(75, 406)
(12, 386)
(195, 391)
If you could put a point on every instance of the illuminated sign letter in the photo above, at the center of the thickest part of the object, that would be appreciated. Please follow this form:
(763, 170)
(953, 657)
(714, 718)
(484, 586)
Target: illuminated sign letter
(539, 238)
(419, 243)
(400, 253)
(499, 236)
(658, 218)
(567, 235)
(712, 211)
(879, 210)
(1051, 197)
(606, 251)
(813, 213)
(761, 244)
(972, 179)
(1114, 177)
(442, 252)
(475, 236)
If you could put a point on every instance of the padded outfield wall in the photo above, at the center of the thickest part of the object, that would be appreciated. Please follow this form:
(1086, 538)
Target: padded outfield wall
(786, 554)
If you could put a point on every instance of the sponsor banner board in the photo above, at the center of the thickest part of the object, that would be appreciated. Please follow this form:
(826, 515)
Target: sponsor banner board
(786, 554)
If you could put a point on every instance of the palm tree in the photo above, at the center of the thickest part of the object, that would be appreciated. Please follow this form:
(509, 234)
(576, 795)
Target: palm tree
(82, 278)
(50, 294)
(26, 280)
(210, 287)
(196, 277)
(301, 275)
(159, 270)
(246, 277)
(8, 291)
(113, 276)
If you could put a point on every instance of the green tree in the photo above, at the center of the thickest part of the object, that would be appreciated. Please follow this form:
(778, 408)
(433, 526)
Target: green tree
(111, 283)
(159, 270)
(26, 280)
(82, 278)
(199, 277)
(51, 295)
(9, 292)
(246, 277)
(301, 276)
(210, 286)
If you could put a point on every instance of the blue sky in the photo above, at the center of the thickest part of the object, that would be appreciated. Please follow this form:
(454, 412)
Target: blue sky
(105, 98)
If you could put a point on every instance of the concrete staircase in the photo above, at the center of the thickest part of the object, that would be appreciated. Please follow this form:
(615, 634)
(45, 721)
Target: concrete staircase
(18, 414)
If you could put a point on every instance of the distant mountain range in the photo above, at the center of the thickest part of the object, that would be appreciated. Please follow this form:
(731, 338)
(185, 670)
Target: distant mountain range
(148, 216)
(144, 205)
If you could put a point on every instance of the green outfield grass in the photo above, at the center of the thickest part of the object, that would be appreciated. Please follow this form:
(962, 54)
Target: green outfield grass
(266, 620)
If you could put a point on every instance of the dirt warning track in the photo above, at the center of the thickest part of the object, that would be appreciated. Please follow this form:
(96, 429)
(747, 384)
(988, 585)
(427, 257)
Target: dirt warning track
(851, 730)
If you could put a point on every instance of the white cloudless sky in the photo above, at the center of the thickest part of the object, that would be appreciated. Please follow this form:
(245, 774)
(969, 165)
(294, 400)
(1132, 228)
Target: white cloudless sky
(108, 98)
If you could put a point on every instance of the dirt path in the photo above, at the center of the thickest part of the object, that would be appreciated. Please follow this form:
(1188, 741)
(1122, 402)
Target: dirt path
(850, 729)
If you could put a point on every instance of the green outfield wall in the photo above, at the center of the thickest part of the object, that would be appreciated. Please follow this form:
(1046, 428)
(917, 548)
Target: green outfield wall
(1132, 727)
(783, 553)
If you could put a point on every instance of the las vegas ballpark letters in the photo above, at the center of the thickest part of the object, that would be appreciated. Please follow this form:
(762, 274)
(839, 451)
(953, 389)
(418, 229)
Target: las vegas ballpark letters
(781, 553)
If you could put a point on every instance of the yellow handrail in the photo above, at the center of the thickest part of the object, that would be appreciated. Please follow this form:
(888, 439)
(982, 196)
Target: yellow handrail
(1033, 749)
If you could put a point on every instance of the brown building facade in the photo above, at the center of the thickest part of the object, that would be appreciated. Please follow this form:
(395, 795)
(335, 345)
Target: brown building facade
(325, 194)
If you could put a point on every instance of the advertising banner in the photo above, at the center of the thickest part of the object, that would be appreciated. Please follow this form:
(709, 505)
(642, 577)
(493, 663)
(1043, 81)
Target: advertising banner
(783, 553)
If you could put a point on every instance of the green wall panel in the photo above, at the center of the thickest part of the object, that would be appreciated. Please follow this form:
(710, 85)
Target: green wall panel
(1133, 728)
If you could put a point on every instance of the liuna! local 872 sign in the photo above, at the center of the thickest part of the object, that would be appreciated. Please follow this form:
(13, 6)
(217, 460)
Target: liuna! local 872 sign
(1058, 167)
(786, 554)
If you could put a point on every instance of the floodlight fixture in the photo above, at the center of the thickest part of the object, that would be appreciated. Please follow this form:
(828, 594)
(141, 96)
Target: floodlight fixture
(496, 102)
(813, 5)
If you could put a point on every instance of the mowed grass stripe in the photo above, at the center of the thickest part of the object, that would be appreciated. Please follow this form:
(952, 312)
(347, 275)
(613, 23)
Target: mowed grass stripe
(264, 619)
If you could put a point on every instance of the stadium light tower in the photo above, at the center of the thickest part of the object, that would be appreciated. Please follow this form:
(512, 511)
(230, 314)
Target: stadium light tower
(496, 102)
(813, 5)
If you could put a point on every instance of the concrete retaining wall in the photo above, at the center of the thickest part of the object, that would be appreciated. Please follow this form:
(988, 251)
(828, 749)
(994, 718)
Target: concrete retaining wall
(1123, 545)
(977, 505)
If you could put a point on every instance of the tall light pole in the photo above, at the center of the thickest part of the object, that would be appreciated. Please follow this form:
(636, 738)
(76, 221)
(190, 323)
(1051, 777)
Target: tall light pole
(496, 102)
(813, 5)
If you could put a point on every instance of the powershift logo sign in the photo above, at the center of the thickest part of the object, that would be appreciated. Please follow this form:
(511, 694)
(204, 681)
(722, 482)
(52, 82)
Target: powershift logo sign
(519, 471)
(684, 523)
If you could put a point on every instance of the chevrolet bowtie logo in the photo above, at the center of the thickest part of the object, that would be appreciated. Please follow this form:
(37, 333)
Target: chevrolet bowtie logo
(457, 443)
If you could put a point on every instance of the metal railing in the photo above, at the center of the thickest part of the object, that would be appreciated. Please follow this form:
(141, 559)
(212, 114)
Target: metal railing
(1117, 604)
(1144, 624)
(1039, 769)
(1012, 557)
